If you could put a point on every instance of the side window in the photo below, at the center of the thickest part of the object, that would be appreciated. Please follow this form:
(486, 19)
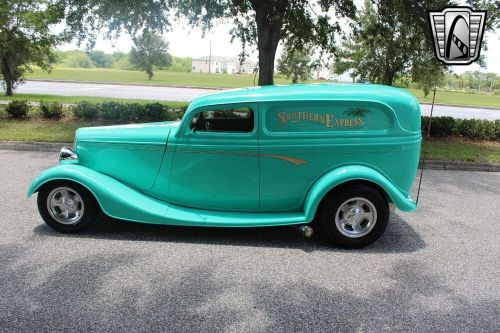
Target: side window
(224, 120)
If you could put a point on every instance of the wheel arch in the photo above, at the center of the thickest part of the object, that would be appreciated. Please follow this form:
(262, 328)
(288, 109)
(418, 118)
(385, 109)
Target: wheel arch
(350, 175)
(114, 198)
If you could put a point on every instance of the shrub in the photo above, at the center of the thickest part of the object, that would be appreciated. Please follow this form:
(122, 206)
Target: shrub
(135, 112)
(18, 109)
(112, 111)
(86, 110)
(477, 129)
(469, 128)
(156, 112)
(51, 110)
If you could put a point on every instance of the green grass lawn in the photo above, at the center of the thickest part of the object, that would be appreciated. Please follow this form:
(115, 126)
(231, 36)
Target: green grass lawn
(462, 150)
(163, 77)
(459, 98)
(160, 77)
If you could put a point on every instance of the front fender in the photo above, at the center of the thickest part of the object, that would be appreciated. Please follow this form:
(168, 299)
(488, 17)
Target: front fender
(353, 172)
(115, 198)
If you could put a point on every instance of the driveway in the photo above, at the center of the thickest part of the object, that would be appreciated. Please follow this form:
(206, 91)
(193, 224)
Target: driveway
(187, 94)
(433, 270)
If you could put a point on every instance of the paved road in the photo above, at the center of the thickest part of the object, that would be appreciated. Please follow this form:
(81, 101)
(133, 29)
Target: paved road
(434, 270)
(187, 94)
(112, 90)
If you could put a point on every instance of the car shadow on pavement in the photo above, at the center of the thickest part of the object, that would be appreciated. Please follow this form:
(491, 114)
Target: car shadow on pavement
(400, 237)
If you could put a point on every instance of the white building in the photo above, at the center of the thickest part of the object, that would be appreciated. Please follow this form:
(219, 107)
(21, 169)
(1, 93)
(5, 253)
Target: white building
(214, 64)
(247, 67)
(321, 73)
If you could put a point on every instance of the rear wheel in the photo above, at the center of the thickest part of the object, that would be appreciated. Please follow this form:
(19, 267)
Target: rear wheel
(67, 206)
(354, 216)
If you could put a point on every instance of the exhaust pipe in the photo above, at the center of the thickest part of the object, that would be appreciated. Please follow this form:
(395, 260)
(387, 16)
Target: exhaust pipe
(305, 230)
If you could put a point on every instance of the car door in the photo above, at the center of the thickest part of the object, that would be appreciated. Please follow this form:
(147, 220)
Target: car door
(216, 161)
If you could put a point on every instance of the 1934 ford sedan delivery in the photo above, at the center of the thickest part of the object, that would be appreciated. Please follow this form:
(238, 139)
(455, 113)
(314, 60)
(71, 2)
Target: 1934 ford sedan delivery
(338, 155)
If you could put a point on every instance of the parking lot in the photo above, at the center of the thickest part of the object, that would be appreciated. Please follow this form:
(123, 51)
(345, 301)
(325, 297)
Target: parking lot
(434, 270)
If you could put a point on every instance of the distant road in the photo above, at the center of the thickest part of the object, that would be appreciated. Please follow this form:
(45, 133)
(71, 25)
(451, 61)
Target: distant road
(187, 94)
(112, 90)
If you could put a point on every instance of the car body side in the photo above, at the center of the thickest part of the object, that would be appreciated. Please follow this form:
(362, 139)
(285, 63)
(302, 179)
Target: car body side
(306, 141)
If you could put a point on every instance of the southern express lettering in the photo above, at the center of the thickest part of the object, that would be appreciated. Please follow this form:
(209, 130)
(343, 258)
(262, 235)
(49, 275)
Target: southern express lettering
(327, 120)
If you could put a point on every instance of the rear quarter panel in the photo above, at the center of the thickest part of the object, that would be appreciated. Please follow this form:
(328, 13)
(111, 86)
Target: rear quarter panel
(324, 135)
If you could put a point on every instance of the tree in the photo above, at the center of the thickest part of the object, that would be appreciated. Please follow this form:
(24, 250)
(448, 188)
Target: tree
(265, 23)
(100, 59)
(296, 65)
(77, 59)
(150, 50)
(392, 39)
(26, 38)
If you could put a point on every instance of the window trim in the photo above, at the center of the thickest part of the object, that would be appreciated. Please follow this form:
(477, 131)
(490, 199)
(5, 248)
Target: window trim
(251, 106)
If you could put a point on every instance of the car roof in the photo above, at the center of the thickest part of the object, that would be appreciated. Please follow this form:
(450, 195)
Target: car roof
(308, 92)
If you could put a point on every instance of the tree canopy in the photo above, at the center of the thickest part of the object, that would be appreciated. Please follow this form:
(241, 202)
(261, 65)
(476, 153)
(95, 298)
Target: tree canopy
(26, 38)
(392, 40)
(295, 65)
(149, 50)
(264, 23)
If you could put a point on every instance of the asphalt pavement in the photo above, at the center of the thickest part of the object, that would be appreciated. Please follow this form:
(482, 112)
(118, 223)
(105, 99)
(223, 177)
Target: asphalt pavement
(435, 270)
(187, 94)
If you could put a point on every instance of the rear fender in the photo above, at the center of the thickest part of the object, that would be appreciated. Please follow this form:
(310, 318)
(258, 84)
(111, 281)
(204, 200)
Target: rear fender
(348, 173)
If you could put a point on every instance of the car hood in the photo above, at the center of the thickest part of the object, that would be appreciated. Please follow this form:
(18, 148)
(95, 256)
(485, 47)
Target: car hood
(149, 133)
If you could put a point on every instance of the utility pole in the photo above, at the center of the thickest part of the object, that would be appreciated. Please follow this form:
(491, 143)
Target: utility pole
(210, 59)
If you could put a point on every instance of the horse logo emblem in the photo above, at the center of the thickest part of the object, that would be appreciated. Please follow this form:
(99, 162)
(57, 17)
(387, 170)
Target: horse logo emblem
(457, 33)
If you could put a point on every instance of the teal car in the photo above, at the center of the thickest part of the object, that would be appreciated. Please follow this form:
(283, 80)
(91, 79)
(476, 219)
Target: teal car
(339, 158)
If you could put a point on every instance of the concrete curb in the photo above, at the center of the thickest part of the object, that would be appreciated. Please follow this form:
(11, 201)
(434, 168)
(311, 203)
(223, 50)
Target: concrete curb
(460, 165)
(429, 164)
(33, 146)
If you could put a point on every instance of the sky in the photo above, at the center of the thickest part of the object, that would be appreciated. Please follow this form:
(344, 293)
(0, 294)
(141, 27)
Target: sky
(185, 41)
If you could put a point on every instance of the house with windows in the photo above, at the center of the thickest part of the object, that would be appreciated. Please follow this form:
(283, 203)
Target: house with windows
(217, 64)
(214, 64)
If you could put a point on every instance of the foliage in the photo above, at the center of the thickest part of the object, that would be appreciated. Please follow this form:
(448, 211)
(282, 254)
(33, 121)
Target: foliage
(127, 112)
(121, 61)
(18, 109)
(51, 110)
(85, 110)
(79, 60)
(26, 38)
(473, 80)
(180, 64)
(295, 65)
(391, 40)
(87, 18)
(264, 23)
(468, 128)
(100, 59)
(149, 50)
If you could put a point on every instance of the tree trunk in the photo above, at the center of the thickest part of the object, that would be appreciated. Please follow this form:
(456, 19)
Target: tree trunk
(8, 87)
(269, 19)
(7, 77)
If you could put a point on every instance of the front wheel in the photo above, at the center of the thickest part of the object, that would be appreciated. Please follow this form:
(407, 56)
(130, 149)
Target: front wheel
(67, 206)
(355, 216)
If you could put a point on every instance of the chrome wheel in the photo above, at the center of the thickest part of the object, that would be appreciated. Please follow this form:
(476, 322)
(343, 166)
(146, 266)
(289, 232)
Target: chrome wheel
(65, 205)
(356, 217)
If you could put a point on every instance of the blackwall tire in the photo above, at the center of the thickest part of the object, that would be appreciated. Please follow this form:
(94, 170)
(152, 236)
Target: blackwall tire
(67, 206)
(354, 216)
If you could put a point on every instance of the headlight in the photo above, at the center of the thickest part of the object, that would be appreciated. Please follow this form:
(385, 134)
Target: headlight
(67, 154)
